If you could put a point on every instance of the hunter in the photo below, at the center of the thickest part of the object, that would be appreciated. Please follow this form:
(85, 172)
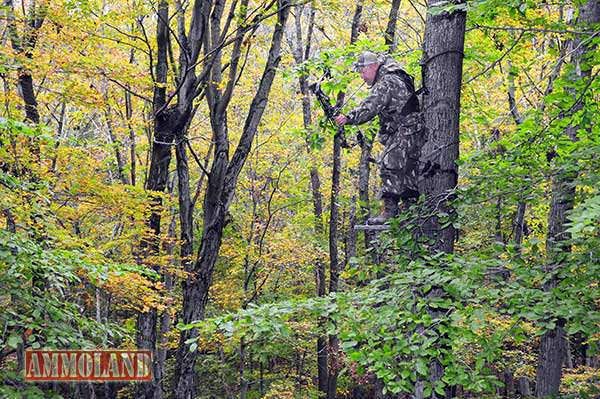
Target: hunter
(391, 97)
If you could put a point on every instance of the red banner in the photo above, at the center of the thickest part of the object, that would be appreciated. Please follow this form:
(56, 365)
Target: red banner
(88, 365)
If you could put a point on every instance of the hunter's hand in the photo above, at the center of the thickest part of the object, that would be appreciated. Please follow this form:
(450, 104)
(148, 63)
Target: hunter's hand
(341, 120)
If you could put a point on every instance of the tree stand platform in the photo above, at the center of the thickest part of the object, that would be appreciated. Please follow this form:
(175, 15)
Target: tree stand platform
(371, 227)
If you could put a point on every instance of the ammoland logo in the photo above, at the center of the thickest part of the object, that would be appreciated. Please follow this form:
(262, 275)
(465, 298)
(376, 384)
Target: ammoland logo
(88, 365)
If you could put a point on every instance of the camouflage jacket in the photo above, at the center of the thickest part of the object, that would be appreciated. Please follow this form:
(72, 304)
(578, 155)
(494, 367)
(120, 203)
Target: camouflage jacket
(387, 98)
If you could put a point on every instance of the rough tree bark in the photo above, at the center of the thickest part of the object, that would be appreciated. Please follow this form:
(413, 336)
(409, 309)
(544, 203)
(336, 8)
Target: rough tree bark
(552, 343)
(443, 60)
(333, 344)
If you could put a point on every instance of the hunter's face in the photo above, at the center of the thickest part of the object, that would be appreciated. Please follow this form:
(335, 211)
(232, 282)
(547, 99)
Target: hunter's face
(368, 72)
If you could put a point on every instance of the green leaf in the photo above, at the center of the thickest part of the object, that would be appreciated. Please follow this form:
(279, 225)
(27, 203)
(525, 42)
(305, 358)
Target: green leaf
(421, 367)
(14, 341)
(349, 344)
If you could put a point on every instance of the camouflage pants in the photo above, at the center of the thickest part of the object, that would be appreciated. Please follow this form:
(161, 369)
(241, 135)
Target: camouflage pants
(399, 161)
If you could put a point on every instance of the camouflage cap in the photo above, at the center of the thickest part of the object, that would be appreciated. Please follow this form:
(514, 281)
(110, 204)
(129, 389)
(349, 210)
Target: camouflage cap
(366, 58)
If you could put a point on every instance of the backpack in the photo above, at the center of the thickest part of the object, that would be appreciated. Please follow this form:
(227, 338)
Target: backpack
(412, 105)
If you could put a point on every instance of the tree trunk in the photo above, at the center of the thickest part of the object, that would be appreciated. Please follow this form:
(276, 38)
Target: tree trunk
(157, 181)
(552, 344)
(158, 176)
(334, 258)
(519, 224)
(114, 142)
(524, 389)
(165, 321)
(509, 384)
(128, 116)
(350, 249)
(59, 134)
(390, 30)
(26, 89)
(443, 60)
(364, 175)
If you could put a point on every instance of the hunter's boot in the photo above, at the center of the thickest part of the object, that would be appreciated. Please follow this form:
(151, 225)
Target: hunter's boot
(390, 210)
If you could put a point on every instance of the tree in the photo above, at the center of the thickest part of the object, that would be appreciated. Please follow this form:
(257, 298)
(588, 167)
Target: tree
(552, 344)
(442, 61)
